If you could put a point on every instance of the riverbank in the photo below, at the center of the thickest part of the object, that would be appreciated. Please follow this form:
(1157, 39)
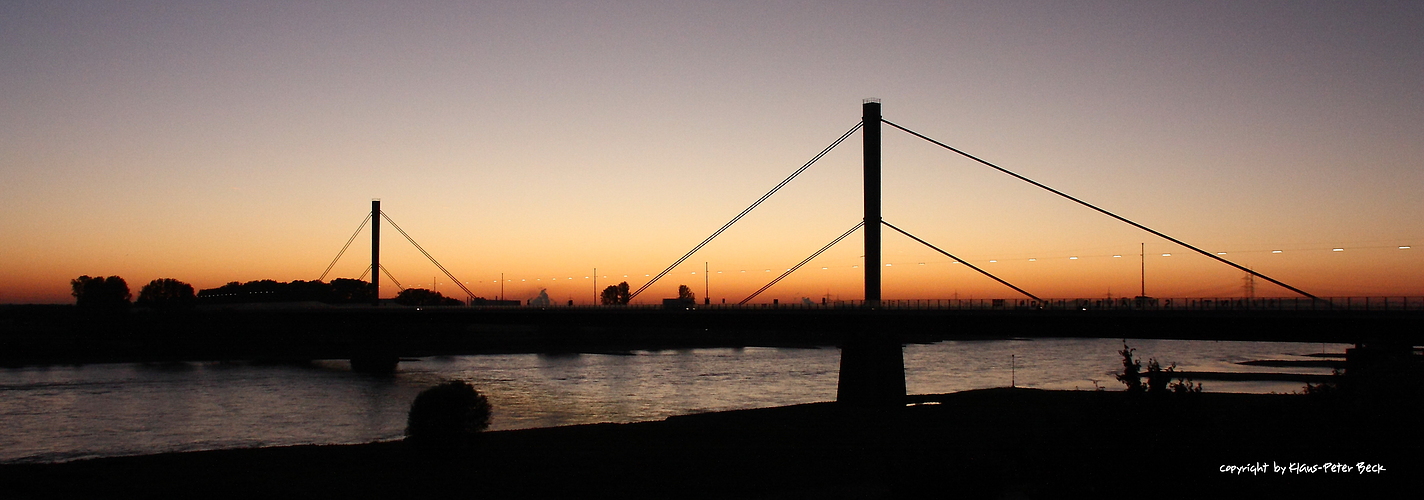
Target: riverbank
(997, 443)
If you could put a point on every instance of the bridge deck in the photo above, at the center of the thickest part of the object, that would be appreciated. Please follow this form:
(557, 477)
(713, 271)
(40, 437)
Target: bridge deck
(59, 335)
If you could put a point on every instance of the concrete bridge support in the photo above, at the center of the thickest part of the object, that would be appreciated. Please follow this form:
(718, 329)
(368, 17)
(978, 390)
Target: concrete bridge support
(872, 370)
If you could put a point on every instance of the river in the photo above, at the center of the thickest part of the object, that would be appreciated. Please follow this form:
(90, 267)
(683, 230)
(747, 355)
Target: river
(61, 413)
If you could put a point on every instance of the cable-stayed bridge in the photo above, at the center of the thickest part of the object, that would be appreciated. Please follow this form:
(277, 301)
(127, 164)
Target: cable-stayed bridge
(870, 331)
(872, 224)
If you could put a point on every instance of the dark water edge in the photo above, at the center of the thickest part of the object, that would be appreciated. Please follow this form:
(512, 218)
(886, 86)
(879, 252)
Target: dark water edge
(994, 443)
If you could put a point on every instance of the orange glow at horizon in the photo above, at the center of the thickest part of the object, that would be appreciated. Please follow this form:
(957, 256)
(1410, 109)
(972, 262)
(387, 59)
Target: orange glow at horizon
(220, 143)
(909, 273)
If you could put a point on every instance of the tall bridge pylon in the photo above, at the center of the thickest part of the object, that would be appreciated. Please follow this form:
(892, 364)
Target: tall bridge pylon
(870, 133)
(872, 360)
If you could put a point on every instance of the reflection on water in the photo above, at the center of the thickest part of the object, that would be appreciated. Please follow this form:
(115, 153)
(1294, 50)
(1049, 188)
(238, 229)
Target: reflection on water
(68, 412)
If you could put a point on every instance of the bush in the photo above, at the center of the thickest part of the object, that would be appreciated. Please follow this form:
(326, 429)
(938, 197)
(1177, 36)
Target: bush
(1327, 389)
(1182, 385)
(1159, 380)
(1131, 370)
(446, 416)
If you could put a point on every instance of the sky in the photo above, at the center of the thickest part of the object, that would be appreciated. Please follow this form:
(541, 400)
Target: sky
(226, 141)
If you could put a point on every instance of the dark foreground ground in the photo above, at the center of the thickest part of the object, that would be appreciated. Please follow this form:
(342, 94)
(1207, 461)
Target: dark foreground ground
(999, 443)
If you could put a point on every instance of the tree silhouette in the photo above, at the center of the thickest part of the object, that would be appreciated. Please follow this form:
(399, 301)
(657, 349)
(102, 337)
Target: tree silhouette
(167, 293)
(100, 293)
(349, 291)
(423, 297)
(317, 291)
(684, 293)
(615, 295)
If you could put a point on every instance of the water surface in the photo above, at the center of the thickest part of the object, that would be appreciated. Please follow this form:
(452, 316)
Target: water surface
(62, 413)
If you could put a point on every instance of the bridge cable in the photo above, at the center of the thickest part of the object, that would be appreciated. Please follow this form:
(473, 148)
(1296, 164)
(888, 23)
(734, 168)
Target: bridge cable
(745, 212)
(961, 261)
(343, 248)
(364, 273)
(427, 255)
(1110, 214)
(798, 266)
(393, 278)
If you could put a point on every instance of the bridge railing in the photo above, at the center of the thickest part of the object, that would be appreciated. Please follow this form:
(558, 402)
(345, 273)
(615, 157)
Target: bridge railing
(1370, 303)
(1173, 304)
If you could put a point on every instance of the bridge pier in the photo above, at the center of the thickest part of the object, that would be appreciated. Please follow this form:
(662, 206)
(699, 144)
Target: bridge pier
(872, 370)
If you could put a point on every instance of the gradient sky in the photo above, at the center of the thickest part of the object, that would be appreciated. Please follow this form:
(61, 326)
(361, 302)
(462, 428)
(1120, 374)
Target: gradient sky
(233, 141)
